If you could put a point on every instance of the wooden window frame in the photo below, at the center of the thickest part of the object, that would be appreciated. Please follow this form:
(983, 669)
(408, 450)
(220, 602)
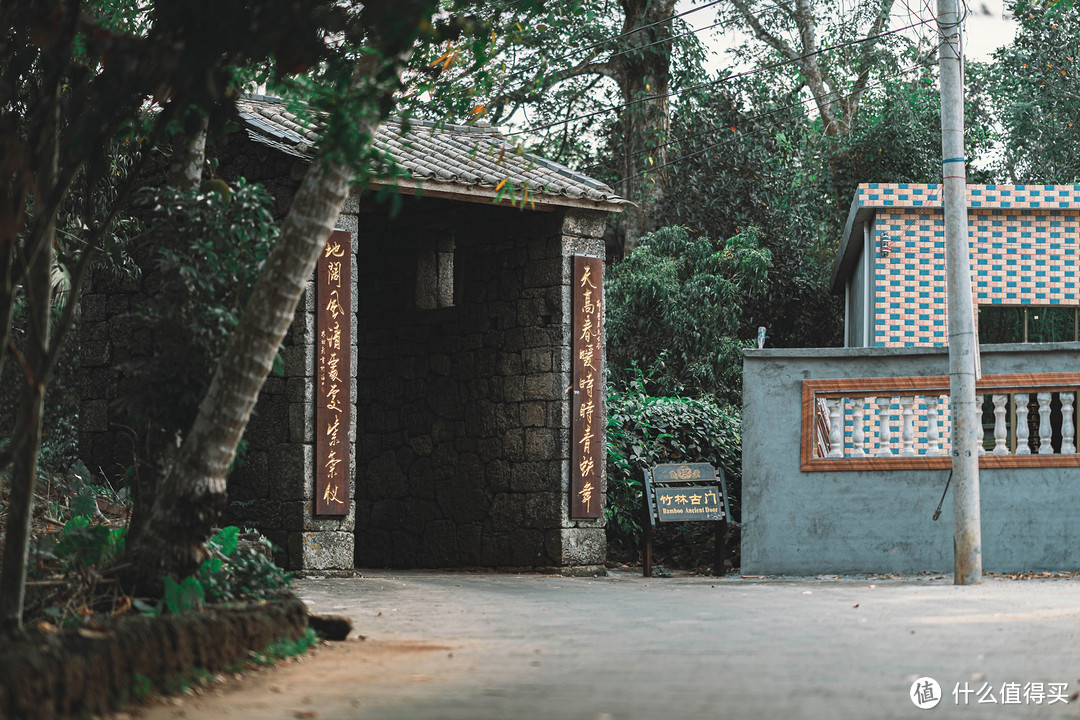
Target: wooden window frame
(813, 390)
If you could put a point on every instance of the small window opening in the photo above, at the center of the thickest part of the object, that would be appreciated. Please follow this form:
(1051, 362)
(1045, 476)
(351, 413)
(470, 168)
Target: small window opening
(435, 276)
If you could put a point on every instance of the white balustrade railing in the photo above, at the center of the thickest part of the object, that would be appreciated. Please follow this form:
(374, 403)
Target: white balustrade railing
(911, 423)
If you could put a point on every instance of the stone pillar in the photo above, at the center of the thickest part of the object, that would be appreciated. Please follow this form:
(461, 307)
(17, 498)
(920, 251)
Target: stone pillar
(579, 546)
(275, 489)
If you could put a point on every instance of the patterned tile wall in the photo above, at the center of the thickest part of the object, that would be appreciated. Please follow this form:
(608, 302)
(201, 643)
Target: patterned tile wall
(1025, 250)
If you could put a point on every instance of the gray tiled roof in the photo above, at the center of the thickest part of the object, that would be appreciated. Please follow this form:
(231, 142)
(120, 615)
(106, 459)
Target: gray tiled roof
(449, 154)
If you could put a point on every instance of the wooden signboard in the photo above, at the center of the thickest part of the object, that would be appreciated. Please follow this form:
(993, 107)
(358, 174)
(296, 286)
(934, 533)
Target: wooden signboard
(587, 350)
(685, 492)
(333, 326)
(688, 503)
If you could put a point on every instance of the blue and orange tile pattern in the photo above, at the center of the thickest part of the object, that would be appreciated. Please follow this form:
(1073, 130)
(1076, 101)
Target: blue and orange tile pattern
(1025, 249)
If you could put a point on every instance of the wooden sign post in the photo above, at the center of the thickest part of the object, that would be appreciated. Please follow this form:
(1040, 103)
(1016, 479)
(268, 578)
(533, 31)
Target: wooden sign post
(333, 327)
(587, 389)
(686, 492)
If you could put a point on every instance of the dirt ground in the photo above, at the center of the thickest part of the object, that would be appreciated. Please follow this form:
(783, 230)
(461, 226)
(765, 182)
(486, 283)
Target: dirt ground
(334, 680)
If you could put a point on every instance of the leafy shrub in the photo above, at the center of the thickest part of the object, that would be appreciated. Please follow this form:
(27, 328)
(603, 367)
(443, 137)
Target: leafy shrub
(240, 571)
(85, 542)
(206, 250)
(679, 297)
(644, 430)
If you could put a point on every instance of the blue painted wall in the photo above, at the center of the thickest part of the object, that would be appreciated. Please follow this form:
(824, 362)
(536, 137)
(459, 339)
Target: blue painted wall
(881, 522)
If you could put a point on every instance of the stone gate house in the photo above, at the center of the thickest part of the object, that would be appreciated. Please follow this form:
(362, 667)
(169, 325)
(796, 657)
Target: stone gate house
(444, 407)
(855, 489)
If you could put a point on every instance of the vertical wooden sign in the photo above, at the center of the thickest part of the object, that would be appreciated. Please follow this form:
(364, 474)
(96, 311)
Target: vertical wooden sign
(587, 352)
(333, 327)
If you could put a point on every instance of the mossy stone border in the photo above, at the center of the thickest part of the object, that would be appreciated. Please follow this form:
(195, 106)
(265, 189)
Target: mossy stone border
(78, 674)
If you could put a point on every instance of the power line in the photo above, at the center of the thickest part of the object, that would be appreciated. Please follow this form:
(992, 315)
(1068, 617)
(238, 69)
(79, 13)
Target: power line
(710, 83)
(720, 23)
(727, 141)
(638, 29)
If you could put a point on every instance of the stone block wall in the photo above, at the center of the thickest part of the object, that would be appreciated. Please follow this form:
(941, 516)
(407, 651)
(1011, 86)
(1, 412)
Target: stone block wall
(107, 340)
(463, 438)
(460, 413)
(274, 489)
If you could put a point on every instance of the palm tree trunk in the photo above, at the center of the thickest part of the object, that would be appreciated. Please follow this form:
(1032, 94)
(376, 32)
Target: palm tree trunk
(193, 493)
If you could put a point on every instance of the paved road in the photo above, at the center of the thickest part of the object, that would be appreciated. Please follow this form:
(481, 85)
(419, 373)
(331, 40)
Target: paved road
(623, 647)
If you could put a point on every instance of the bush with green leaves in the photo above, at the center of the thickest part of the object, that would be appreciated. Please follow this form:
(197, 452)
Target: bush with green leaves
(678, 297)
(239, 569)
(85, 543)
(644, 430)
(201, 257)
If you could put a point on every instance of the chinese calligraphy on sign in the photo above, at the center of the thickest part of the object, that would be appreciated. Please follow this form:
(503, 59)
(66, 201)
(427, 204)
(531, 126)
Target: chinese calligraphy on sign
(587, 378)
(333, 327)
(692, 502)
(686, 492)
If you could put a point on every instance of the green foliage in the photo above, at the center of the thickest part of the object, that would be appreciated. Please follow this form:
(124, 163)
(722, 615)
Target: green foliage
(141, 687)
(746, 159)
(679, 298)
(897, 138)
(240, 573)
(284, 648)
(183, 596)
(87, 544)
(226, 541)
(560, 60)
(644, 430)
(1035, 86)
(233, 572)
(84, 543)
(207, 250)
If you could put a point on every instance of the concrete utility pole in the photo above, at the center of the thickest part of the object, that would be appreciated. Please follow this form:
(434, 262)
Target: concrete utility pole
(966, 421)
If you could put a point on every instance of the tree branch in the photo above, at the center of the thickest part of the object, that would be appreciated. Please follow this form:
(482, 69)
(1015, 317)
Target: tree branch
(817, 77)
(774, 41)
(865, 63)
(524, 94)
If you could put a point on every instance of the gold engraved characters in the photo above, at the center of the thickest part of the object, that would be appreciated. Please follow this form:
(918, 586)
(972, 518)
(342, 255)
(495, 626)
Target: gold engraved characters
(334, 306)
(586, 495)
(588, 347)
(691, 503)
(332, 421)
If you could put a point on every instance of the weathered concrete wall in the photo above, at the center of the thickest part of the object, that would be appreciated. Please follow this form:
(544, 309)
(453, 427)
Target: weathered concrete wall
(844, 522)
(463, 455)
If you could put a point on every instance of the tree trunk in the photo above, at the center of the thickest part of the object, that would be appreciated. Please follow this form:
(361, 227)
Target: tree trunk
(644, 82)
(158, 445)
(189, 151)
(193, 492)
(35, 360)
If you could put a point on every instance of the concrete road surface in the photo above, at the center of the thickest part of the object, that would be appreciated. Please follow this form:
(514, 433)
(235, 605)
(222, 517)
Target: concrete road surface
(623, 647)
